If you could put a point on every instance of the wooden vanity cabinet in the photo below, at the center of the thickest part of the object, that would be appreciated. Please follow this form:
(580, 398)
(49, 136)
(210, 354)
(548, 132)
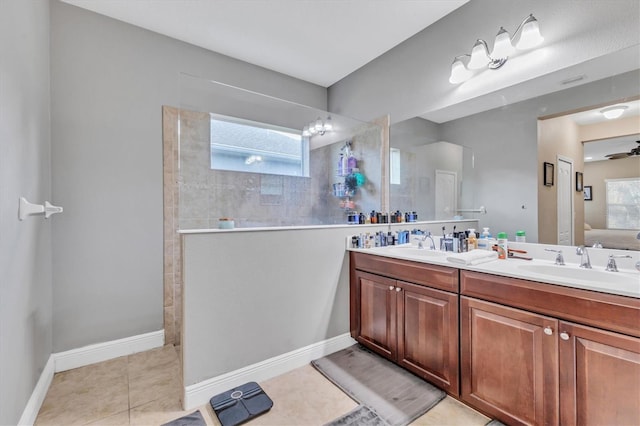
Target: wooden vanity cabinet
(526, 363)
(599, 377)
(509, 362)
(411, 324)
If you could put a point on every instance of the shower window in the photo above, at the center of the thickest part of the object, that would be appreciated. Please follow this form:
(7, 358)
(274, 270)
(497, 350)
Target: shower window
(247, 146)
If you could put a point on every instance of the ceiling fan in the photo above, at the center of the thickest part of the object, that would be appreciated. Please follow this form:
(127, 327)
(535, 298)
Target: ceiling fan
(633, 151)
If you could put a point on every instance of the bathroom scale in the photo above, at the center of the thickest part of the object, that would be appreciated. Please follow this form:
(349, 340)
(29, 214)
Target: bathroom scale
(241, 404)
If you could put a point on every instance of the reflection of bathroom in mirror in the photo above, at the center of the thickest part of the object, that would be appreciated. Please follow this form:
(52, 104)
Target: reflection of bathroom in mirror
(508, 155)
(431, 177)
(604, 148)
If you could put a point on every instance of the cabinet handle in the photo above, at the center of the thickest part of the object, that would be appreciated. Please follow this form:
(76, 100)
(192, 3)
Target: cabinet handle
(398, 289)
(391, 288)
(564, 335)
(548, 331)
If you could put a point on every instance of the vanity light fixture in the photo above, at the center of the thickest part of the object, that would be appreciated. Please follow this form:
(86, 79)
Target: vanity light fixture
(613, 112)
(502, 49)
(318, 127)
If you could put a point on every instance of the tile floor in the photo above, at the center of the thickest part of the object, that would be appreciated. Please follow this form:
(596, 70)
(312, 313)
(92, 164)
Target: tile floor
(145, 389)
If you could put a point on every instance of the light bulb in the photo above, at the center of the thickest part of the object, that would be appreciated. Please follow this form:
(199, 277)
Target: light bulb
(502, 47)
(318, 125)
(305, 131)
(328, 125)
(459, 73)
(479, 56)
(530, 36)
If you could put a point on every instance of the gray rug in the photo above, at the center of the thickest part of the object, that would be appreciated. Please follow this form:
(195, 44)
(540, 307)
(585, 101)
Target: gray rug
(193, 419)
(359, 416)
(393, 393)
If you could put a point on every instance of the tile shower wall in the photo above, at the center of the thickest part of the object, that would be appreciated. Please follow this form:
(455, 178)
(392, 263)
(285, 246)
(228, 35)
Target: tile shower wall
(255, 200)
(195, 196)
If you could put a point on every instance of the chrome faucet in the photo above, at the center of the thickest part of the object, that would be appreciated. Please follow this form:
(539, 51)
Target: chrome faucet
(559, 257)
(584, 257)
(424, 238)
(611, 264)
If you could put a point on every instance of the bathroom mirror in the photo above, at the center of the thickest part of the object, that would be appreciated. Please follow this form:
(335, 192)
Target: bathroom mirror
(250, 159)
(508, 166)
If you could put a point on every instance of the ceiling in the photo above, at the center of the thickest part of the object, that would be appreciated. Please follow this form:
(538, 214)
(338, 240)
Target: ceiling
(319, 41)
(597, 150)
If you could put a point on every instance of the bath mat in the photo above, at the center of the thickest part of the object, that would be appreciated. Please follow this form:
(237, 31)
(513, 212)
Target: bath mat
(393, 393)
(359, 416)
(193, 419)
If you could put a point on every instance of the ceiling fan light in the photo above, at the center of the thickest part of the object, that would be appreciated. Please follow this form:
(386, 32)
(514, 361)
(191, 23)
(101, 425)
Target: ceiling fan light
(613, 112)
(530, 36)
(502, 47)
(479, 56)
(459, 73)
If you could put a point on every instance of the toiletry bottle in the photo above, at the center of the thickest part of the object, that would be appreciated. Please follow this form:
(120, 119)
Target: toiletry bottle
(521, 237)
(503, 248)
(352, 163)
(483, 242)
(340, 161)
(473, 241)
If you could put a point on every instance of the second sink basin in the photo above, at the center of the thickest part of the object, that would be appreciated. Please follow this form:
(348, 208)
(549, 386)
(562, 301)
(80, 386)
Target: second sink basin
(630, 281)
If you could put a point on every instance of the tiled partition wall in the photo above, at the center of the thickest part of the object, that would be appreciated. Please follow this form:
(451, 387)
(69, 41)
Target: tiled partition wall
(195, 196)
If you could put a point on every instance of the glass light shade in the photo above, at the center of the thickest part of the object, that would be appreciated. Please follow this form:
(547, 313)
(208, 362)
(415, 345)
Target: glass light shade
(613, 112)
(502, 47)
(305, 131)
(459, 73)
(319, 126)
(328, 125)
(312, 128)
(479, 56)
(530, 36)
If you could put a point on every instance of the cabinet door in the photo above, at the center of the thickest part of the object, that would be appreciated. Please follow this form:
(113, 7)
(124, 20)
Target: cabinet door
(599, 377)
(376, 313)
(428, 334)
(509, 360)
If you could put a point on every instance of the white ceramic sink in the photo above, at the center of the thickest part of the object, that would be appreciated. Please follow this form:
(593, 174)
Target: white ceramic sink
(629, 281)
(413, 251)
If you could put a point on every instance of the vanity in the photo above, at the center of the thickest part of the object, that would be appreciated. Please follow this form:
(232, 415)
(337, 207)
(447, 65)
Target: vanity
(516, 346)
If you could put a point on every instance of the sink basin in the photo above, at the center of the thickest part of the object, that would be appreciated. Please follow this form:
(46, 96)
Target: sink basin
(628, 281)
(411, 251)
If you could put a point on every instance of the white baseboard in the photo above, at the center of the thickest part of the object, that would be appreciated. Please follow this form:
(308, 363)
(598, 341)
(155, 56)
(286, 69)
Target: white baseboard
(80, 357)
(99, 352)
(32, 408)
(200, 393)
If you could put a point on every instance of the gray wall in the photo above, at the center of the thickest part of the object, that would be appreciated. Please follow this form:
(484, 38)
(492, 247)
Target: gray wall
(25, 247)
(109, 81)
(253, 295)
(412, 78)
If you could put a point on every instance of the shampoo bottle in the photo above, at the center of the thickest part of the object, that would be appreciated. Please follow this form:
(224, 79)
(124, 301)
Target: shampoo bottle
(503, 249)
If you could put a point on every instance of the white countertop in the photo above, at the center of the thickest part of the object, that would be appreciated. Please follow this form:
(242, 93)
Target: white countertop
(625, 282)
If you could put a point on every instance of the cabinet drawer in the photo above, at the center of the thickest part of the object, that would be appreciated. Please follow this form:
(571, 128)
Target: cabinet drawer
(607, 311)
(440, 277)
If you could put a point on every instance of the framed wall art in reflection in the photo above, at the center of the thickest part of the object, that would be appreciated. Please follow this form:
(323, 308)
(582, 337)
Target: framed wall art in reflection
(547, 171)
(588, 196)
(579, 181)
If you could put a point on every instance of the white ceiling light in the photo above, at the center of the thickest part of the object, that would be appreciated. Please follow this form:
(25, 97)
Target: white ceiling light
(614, 111)
(318, 127)
(480, 57)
